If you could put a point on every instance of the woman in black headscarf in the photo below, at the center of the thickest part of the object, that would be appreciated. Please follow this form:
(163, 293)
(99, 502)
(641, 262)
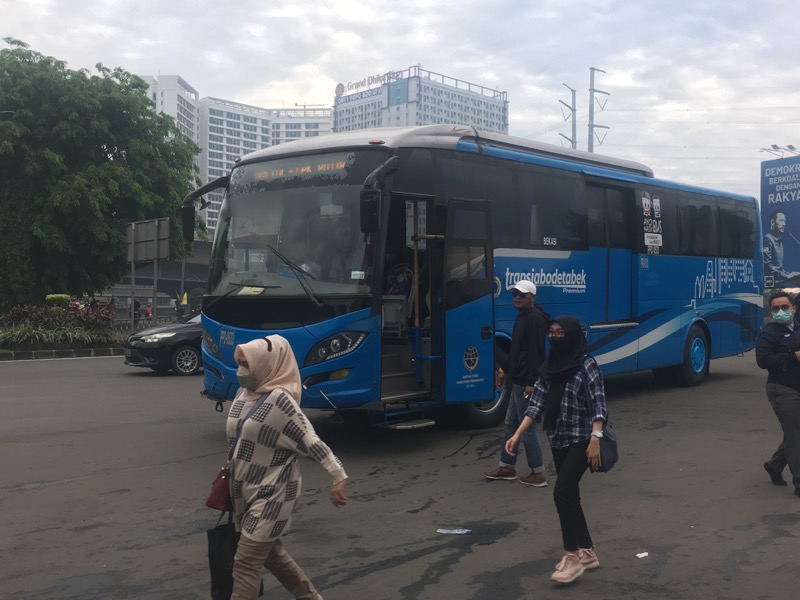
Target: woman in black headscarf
(570, 400)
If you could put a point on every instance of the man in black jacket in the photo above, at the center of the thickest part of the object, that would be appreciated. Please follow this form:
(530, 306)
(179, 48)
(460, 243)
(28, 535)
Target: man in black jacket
(522, 368)
(778, 351)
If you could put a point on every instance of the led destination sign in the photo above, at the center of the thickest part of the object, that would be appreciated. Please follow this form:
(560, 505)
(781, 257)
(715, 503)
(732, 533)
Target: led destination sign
(329, 166)
(301, 170)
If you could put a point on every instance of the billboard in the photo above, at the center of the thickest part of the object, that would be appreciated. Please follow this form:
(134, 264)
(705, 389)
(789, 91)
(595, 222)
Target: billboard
(780, 221)
(147, 240)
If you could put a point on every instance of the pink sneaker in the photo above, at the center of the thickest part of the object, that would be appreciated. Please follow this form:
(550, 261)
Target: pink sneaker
(588, 558)
(569, 569)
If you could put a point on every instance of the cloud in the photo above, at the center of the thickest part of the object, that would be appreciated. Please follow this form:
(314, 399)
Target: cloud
(695, 88)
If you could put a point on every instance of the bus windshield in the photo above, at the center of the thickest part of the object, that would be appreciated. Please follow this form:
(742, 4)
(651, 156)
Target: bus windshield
(290, 227)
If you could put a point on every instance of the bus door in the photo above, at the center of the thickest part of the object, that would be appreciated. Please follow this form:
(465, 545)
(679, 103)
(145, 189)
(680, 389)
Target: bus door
(611, 242)
(405, 301)
(468, 301)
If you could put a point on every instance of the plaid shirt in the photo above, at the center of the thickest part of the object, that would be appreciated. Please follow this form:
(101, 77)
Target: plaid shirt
(573, 423)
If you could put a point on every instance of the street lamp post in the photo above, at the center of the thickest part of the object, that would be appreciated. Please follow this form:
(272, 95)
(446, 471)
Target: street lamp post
(780, 150)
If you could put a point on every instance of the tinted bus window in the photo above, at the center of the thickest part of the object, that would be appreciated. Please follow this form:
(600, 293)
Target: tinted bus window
(472, 178)
(610, 217)
(552, 211)
(737, 229)
(699, 233)
(659, 226)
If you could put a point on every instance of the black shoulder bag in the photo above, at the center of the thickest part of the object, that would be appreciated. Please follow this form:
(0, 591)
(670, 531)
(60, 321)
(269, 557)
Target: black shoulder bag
(608, 443)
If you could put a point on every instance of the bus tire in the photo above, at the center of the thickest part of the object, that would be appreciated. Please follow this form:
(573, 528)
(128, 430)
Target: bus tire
(696, 356)
(487, 414)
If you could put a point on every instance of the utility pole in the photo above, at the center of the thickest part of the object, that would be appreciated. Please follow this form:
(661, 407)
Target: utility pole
(306, 105)
(592, 92)
(573, 113)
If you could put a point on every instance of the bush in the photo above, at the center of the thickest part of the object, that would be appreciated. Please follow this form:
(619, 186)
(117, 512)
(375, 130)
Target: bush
(60, 300)
(29, 327)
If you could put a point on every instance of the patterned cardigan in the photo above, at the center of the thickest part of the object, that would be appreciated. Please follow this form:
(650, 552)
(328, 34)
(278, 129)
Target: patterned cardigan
(265, 475)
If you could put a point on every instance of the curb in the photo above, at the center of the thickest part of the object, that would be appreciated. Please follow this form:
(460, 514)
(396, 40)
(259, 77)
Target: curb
(74, 353)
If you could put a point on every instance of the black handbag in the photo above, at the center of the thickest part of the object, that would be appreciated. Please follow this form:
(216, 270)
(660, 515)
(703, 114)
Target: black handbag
(609, 455)
(222, 542)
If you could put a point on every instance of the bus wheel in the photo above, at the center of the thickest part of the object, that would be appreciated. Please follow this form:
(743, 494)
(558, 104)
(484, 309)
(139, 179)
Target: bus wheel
(487, 414)
(695, 358)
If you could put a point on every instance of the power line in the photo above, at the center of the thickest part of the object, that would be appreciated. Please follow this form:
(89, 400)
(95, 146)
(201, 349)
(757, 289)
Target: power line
(713, 109)
(704, 122)
(683, 157)
(682, 146)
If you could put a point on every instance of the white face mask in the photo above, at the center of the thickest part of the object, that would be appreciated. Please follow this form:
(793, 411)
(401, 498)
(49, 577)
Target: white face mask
(246, 379)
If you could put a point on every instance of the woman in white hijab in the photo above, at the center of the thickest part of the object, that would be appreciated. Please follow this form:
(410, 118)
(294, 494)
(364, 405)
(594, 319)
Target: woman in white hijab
(265, 475)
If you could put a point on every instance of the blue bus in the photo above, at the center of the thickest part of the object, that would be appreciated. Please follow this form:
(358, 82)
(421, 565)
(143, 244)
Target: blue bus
(384, 256)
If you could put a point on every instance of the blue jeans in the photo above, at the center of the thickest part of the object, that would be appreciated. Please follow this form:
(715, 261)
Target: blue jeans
(517, 404)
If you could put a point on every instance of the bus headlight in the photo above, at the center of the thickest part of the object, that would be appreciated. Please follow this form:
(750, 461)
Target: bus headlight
(210, 344)
(335, 346)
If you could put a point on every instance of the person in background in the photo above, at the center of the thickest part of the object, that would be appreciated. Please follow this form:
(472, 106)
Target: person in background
(265, 474)
(522, 368)
(778, 351)
(574, 425)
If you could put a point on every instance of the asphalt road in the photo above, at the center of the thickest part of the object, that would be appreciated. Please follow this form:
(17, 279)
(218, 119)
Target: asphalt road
(104, 470)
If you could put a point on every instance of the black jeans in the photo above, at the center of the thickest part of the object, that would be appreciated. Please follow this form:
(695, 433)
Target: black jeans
(571, 464)
(785, 402)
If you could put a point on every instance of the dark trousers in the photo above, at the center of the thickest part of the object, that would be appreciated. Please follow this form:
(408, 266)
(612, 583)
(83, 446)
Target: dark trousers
(785, 402)
(571, 464)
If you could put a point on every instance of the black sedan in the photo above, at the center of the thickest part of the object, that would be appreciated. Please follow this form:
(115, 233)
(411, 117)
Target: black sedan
(174, 346)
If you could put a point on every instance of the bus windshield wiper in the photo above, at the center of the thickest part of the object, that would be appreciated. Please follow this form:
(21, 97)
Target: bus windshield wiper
(290, 264)
(300, 278)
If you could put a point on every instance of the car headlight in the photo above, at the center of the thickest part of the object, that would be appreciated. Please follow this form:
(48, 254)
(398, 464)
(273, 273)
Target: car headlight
(335, 346)
(155, 337)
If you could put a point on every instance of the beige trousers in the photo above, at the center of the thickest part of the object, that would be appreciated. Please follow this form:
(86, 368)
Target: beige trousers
(252, 555)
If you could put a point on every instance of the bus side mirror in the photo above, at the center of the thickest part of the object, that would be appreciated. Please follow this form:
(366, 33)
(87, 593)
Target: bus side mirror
(187, 221)
(370, 210)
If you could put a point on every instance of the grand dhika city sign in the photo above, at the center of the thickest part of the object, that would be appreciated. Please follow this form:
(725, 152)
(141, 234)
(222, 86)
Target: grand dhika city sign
(367, 82)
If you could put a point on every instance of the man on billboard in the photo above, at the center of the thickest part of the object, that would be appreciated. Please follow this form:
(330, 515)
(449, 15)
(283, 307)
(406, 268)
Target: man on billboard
(773, 252)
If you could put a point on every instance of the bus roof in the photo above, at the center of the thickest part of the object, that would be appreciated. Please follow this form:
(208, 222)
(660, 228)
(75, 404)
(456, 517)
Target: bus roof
(468, 139)
(444, 137)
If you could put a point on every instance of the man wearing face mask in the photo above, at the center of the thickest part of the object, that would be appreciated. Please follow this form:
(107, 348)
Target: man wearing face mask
(778, 351)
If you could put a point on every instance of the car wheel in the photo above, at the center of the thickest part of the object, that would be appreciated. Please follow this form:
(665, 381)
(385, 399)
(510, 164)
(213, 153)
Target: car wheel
(185, 360)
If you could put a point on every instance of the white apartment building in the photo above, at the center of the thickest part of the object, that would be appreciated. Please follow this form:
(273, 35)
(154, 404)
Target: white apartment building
(418, 97)
(227, 130)
(171, 95)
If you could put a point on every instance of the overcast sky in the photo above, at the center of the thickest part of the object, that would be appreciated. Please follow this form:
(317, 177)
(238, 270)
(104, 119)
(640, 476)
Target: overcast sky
(696, 87)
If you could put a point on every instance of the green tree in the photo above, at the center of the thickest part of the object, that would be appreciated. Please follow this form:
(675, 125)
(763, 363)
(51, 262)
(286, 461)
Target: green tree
(81, 156)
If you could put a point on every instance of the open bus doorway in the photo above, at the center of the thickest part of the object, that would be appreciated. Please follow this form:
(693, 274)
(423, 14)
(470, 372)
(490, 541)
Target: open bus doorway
(406, 321)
